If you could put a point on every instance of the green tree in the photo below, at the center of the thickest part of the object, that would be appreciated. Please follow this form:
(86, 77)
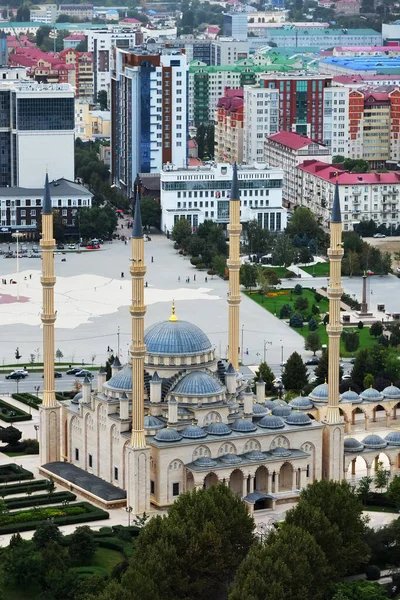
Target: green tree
(20, 564)
(360, 367)
(393, 492)
(151, 212)
(351, 264)
(381, 476)
(102, 99)
(248, 275)
(351, 340)
(59, 354)
(332, 513)
(364, 489)
(296, 320)
(193, 549)
(368, 381)
(289, 565)
(218, 263)
(56, 580)
(312, 324)
(10, 435)
(283, 253)
(295, 376)
(82, 545)
(313, 342)
(303, 222)
(181, 231)
(359, 590)
(266, 374)
(46, 532)
(376, 329)
(321, 371)
(259, 240)
(301, 303)
(285, 312)
(23, 14)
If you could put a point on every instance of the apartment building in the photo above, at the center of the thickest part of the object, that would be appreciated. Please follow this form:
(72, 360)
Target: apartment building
(84, 12)
(44, 13)
(229, 127)
(200, 193)
(261, 119)
(285, 150)
(363, 196)
(336, 120)
(91, 123)
(148, 114)
(322, 37)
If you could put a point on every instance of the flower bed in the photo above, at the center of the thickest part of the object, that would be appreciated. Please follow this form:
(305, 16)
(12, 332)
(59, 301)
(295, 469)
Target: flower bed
(81, 512)
(13, 472)
(11, 414)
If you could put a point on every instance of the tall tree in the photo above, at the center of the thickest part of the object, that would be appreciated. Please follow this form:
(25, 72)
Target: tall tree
(248, 275)
(181, 231)
(295, 376)
(151, 212)
(283, 253)
(102, 99)
(321, 372)
(303, 222)
(265, 372)
(313, 342)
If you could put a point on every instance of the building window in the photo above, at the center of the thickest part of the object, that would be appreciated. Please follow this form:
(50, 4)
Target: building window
(76, 453)
(116, 473)
(90, 461)
(175, 489)
(152, 487)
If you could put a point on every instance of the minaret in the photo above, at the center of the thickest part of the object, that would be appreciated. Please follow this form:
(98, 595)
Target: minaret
(234, 230)
(333, 434)
(50, 409)
(138, 454)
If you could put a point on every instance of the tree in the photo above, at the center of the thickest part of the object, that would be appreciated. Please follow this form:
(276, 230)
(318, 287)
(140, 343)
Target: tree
(321, 371)
(359, 590)
(151, 212)
(20, 564)
(312, 324)
(332, 513)
(289, 565)
(46, 532)
(102, 99)
(181, 231)
(368, 381)
(298, 289)
(218, 263)
(10, 435)
(303, 222)
(283, 253)
(23, 14)
(56, 580)
(376, 329)
(266, 375)
(296, 320)
(364, 489)
(248, 275)
(82, 545)
(313, 342)
(286, 311)
(17, 353)
(59, 354)
(192, 549)
(360, 367)
(393, 492)
(259, 240)
(351, 264)
(381, 477)
(295, 376)
(301, 303)
(351, 340)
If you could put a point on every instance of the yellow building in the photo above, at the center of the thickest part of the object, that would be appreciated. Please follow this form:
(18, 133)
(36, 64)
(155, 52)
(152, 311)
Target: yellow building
(90, 123)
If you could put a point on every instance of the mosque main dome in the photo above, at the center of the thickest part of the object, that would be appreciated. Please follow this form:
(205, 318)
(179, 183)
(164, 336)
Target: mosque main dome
(175, 338)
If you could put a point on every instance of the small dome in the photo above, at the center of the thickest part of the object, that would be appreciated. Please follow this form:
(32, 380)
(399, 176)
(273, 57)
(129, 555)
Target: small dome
(193, 432)
(320, 393)
(374, 442)
(76, 399)
(371, 395)
(350, 396)
(281, 452)
(353, 445)
(271, 422)
(205, 462)
(151, 422)
(301, 402)
(176, 337)
(122, 380)
(298, 418)
(198, 383)
(243, 426)
(393, 438)
(231, 459)
(218, 428)
(392, 392)
(255, 455)
(283, 410)
(168, 435)
(259, 410)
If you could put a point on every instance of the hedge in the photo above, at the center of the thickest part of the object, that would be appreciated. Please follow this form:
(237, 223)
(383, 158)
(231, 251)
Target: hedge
(82, 572)
(39, 500)
(92, 513)
(28, 399)
(379, 500)
(13, 472)
(22, 488)
(20, 415)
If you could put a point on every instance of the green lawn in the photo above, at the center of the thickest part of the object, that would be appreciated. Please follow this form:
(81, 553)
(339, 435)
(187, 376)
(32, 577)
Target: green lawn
(320, 269)
(384, 509)
(107, 559)
(280, 271)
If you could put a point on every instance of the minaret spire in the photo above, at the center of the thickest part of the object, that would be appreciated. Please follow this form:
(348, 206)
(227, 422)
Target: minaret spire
(49, 412)
(137, 310)
(234, 230)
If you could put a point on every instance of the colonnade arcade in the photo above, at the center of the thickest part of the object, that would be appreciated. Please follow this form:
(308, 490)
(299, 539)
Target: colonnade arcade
(366, 462)
(355, 415)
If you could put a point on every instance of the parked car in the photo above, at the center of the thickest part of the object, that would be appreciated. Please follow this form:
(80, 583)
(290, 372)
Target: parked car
(352, 360)
(312, 361)
(35, 249)
(57, 374)
(60, 247)
(23, 371)
(93, 247)
(369, 272)
(71, 247)
(83, 373)
(15, 375)
(379, 235)
(73, 371)
(346, 376)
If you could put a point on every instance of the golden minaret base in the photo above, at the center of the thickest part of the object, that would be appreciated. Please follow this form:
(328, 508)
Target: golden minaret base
(137, 452)
(50, 410)
(333, 467)
(234, 230)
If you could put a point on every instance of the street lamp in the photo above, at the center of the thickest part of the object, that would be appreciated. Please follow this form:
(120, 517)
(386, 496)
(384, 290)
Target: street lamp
(265, 349)
(17, 235)
(129, 509)
(36, 428)
(37, 388)
(282, 353)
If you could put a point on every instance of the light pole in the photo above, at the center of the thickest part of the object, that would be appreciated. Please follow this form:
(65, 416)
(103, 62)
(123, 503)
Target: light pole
(282, 353)
(265, 349)
(241, 348)
(129, 509)
(36, 428)
(118, 341)
(37, 388)
(17, 235)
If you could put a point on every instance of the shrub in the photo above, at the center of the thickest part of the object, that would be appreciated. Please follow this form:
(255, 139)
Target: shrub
(317, 297)
(23, 488)
(312, 324)
(298, 290)
(39, 499)
(360, 325)
(13, 472)
(286, 311)
(28, 399)
(372, 572)
(82, 572)
(11, 414)
(301, 303)
(289, 274)
(200, 266)
(195, 261)
(296, 320)
(212, 272)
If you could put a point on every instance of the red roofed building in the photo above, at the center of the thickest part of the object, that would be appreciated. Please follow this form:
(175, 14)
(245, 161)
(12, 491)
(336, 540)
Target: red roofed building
(286, 150)
(363, 196)
(229, 127)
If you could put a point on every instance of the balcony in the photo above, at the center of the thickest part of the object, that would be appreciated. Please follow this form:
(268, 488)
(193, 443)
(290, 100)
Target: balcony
(356, 201)
(356, 192)
(385, 193)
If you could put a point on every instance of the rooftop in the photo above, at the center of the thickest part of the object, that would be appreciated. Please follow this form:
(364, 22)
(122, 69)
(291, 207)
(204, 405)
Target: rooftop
(58, 187)
(328, 173)
(294, 141)
(363, 63)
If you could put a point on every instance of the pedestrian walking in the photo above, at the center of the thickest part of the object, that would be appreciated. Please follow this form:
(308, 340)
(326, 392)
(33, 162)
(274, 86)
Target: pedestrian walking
(179, 278)
(30, 276)
(205, 279)
(152, 259)
(194, 277)
(122, 275)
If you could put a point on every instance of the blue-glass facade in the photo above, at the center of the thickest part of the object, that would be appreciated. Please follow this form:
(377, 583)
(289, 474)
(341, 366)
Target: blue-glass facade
(144, 117)
(221, 185)
(45, 114)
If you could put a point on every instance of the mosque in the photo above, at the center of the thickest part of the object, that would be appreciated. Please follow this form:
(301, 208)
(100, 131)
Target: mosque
(175, 417)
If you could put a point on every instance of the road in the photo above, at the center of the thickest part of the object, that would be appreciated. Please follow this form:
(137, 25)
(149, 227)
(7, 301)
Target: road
(64, 383)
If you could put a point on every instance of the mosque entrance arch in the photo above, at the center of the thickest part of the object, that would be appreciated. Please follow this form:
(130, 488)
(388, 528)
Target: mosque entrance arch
(236, 482)
(261, 479)
(286, 478)
(210, 480)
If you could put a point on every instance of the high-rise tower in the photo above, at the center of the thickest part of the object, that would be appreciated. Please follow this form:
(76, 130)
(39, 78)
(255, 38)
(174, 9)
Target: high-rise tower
(137, 453)
(234, 229)
(334, 429)
(50, 409)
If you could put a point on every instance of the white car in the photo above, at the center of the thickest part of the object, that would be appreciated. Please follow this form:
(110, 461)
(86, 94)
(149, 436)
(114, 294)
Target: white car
(346, 376)
(71, 247)
(23, 371)
(379, 235)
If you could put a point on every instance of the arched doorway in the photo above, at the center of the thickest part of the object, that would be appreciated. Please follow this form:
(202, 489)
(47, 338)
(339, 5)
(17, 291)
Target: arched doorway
(378, 413)
(210, 480)
(261, 479)
(358, 467)
(236, 482)
(189, 481)
(358, 419)
(286, 478)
